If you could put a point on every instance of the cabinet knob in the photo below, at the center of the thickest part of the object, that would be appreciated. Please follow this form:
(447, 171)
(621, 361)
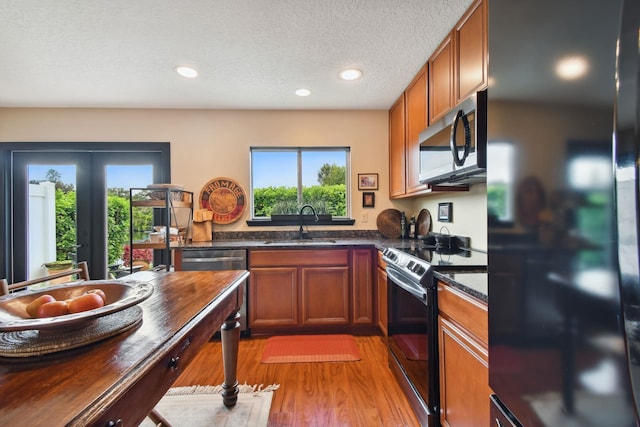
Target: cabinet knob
(173, 363)
(116, 423)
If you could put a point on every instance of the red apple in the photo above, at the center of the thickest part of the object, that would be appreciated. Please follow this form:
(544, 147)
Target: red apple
(53, 309)
(33, 306)
(86, 302)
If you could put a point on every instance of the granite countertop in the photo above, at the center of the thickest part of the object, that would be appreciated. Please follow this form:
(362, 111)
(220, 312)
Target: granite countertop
(473, 283)
(279, 240)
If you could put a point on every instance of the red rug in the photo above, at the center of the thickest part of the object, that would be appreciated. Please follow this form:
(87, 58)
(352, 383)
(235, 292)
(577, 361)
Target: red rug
(310, 348)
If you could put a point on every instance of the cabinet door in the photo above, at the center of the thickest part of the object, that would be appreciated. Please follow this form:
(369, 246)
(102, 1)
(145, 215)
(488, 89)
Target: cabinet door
(273, 297)
(397, 160)
(325, 295)
(464, 377)
(441, 80)
(416, 122)
(471, 51)
(362, 280)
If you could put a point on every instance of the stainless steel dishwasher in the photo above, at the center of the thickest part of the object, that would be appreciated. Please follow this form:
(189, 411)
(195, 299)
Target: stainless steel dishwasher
(203, 259)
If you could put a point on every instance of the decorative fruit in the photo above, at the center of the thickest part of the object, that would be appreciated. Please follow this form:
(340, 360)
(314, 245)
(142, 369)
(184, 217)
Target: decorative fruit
(85, 302)
(99, 292)
(53, 309)
(33, 306)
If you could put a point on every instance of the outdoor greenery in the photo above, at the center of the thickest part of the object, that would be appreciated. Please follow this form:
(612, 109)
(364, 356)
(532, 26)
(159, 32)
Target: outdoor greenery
(331, 174)
(117, 220)
(328, 199)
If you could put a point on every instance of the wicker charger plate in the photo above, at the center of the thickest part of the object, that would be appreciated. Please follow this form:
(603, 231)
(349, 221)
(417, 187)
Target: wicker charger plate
(30, 342)
(388, 223)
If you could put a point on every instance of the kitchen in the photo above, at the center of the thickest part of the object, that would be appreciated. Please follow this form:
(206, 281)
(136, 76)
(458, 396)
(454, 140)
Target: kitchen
(221, 139)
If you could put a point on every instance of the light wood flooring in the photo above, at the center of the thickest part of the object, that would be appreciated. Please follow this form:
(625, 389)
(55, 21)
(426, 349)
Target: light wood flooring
(362, 393)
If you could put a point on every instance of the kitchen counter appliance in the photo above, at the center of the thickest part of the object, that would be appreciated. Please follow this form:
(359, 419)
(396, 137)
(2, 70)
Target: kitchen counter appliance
(563, 309)
(453, 149)
(413, 313)
(453, 254)
(412, 331)
(203, 259)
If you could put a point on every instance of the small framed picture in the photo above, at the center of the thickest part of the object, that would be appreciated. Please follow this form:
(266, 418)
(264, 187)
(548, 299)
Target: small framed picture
(368, 200)
(367, 181)
(445, 212)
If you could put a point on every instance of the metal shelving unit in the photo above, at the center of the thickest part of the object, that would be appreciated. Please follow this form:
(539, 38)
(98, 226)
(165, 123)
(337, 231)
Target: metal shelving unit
(167, 202)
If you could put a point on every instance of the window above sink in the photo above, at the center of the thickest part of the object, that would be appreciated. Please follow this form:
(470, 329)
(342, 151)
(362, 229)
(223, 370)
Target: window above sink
(284, 178)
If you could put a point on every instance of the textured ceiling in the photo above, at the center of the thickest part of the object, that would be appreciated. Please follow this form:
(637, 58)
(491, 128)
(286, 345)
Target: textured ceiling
(251, 54)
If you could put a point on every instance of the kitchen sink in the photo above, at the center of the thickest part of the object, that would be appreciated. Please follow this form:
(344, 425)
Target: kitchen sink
(300, 242)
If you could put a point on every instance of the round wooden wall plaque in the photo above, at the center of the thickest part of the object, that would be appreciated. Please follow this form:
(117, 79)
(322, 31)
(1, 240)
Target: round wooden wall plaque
(225, 198)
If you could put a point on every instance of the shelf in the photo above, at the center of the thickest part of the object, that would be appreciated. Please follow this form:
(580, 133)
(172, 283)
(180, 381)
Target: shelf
(165, 203)
(159, 245)
(160, 203)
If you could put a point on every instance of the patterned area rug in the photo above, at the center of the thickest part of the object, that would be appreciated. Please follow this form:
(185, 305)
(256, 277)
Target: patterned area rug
(310, 348)
(200, 406)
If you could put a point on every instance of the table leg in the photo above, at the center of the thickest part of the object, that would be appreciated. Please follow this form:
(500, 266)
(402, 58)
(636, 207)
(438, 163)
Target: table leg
(230, 335)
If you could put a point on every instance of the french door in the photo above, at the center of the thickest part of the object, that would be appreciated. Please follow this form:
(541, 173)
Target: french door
(63, 203)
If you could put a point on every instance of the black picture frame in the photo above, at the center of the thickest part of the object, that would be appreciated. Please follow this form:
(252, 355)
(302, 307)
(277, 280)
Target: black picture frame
(368, 199)
(445, 212)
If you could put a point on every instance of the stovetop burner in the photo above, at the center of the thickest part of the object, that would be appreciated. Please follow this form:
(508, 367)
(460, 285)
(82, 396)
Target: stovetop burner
(458, 256)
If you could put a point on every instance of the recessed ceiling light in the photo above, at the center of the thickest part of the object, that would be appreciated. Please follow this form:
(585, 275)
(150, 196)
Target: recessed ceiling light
(350, 74)
(187, 72)
(303, 92)
(572, 67)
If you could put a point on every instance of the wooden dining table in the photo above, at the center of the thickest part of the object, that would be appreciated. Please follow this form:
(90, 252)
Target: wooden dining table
(117, 381)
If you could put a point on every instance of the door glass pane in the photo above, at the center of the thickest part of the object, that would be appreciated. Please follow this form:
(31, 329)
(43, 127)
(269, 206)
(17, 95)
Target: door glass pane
(119, 179)
(52, 237)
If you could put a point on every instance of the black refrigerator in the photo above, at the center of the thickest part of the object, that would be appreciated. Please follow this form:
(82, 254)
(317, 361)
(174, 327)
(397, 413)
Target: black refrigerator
(562, 209)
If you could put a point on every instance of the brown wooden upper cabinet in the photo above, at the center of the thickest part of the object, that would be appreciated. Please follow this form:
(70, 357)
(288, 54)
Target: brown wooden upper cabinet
(416, 122)
(458, 67)
(471, 41)
(397, 159)
(441, 80)
(407, 118)
(455, 70)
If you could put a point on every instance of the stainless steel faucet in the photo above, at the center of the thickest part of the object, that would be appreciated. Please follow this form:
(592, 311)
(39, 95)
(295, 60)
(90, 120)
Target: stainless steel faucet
(301, 233)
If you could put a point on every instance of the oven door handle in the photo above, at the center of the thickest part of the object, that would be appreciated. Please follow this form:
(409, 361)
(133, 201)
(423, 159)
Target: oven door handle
(415, 291)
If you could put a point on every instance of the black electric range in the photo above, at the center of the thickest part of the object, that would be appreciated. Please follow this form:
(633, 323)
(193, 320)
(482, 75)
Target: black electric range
(455, 257)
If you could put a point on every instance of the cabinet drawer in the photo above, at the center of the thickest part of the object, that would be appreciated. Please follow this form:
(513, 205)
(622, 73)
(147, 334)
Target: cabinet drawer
(465, 310)
(297, 258)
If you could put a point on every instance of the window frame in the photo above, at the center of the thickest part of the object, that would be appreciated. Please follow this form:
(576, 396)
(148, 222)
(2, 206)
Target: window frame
(342, 220)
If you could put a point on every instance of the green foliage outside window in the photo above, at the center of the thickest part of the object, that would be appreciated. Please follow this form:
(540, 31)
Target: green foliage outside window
(326, 199)
(65, 223)
(117, 223)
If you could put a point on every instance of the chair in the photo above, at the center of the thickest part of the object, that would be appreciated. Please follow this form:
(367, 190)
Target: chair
(81, 270)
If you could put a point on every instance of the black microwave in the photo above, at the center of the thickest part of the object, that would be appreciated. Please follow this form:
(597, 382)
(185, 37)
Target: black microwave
(453, 150)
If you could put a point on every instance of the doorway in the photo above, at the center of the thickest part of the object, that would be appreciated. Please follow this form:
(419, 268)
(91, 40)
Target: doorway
(86, 215)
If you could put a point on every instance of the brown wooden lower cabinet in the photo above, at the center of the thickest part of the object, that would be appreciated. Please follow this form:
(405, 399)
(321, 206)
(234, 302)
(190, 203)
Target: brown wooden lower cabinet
(464, 359)
(325, 295)
(381, 286)
(310, 289)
